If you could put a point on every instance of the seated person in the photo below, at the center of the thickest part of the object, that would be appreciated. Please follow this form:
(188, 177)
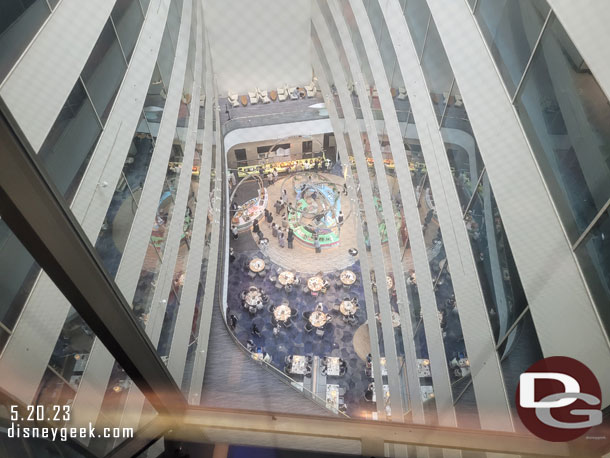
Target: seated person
(368, 395)
(250, 345)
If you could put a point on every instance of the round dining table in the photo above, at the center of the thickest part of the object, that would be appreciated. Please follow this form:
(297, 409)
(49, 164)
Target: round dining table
(348, 308)
(282, 312)
(257, 265)
(315, 283)
(286, 278)
(253, 297)
(348, 277)
(318, 319)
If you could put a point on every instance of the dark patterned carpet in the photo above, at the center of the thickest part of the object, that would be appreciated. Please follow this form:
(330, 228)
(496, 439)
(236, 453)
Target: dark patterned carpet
(337, 339)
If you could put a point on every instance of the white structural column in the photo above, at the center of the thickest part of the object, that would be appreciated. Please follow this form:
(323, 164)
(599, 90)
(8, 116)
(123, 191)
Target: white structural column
(587, 27)
(180, 339)
(353, 129)
(132, 408)
(492, 401)
(93, 384)
(41, 81)
(434, 336)
(207, 307)
(365, 268)
(562, 310)
(412, 380)
(46, 309)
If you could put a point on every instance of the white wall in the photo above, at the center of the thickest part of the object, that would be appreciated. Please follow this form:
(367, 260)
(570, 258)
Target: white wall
(262, 43)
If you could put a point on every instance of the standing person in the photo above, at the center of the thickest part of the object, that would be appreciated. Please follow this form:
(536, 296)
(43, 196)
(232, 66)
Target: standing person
(255, 330)
(264, 244)
(274, 229)
(284, 196)
(233, 320)
(316, 244)
(275, 174)
(281, 238)
(277, 205)
(290, 238)
(269, 217)
(255, 228)
(345, 188)
(235, 232)
(340, 218)
(231, 255)
(285, 221)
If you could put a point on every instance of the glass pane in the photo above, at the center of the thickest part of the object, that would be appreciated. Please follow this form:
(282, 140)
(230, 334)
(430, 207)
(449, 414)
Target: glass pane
(155, 102)
(18, 272)
(104, 71)
(521, 351)
(122, 210)
(128, 19)
(498, 276)
(437, 70)
(567, 119)
(594, 256)
(418, 16)
(511, 29)
(68, 147)
(19, 22)
(72, 349)
(53, 391)
(115, 412)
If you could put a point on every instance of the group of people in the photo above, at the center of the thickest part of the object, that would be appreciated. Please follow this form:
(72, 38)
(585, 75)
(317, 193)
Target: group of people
(283, 235)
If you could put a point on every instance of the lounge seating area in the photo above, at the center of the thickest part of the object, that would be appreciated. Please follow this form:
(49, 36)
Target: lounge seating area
(284, 93)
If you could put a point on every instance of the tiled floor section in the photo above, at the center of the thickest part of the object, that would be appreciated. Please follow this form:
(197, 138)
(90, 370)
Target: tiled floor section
(301, 257)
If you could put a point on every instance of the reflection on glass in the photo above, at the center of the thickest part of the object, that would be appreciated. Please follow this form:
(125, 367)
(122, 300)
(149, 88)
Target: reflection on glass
(511, 29)
(567, 119)
(19, 22)
(68, 147)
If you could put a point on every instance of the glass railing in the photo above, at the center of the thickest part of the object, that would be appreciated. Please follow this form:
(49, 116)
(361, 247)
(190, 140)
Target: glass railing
(255, 117)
